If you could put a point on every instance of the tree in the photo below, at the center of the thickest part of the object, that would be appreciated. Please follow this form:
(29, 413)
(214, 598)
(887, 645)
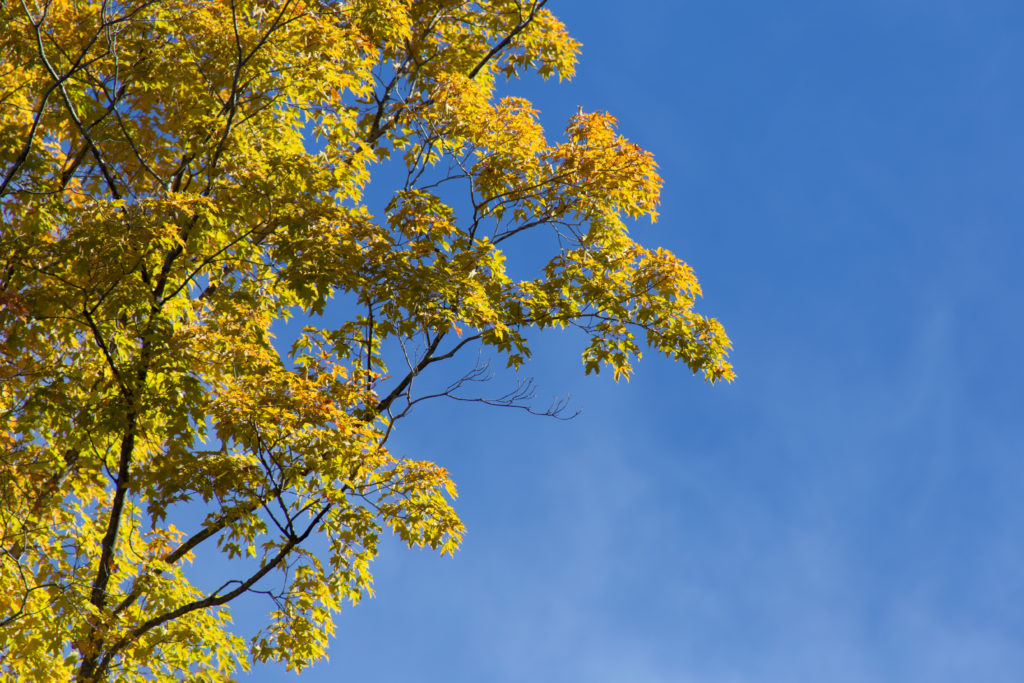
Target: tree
(178, 175)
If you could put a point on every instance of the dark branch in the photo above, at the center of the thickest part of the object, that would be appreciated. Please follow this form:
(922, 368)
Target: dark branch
(507, 39)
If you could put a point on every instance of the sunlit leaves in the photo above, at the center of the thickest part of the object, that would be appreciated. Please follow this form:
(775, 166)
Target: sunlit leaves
(177, 178)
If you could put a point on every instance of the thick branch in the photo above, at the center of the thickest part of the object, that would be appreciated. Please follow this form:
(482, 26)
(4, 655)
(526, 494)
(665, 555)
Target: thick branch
(107, 545)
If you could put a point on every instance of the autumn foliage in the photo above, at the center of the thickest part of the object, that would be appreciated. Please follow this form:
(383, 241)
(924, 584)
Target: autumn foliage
(176, 176)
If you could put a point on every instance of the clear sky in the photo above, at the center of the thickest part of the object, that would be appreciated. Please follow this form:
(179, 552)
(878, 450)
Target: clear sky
(846, 180)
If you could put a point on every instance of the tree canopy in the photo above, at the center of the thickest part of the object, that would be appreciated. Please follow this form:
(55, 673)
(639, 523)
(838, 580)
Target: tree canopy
(177, 176)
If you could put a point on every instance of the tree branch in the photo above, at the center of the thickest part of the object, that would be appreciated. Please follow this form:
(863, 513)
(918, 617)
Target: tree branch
(212, 600)
(508, 39)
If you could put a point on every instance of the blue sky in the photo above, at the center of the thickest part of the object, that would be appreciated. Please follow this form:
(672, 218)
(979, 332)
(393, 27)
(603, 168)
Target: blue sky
(845, 179)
